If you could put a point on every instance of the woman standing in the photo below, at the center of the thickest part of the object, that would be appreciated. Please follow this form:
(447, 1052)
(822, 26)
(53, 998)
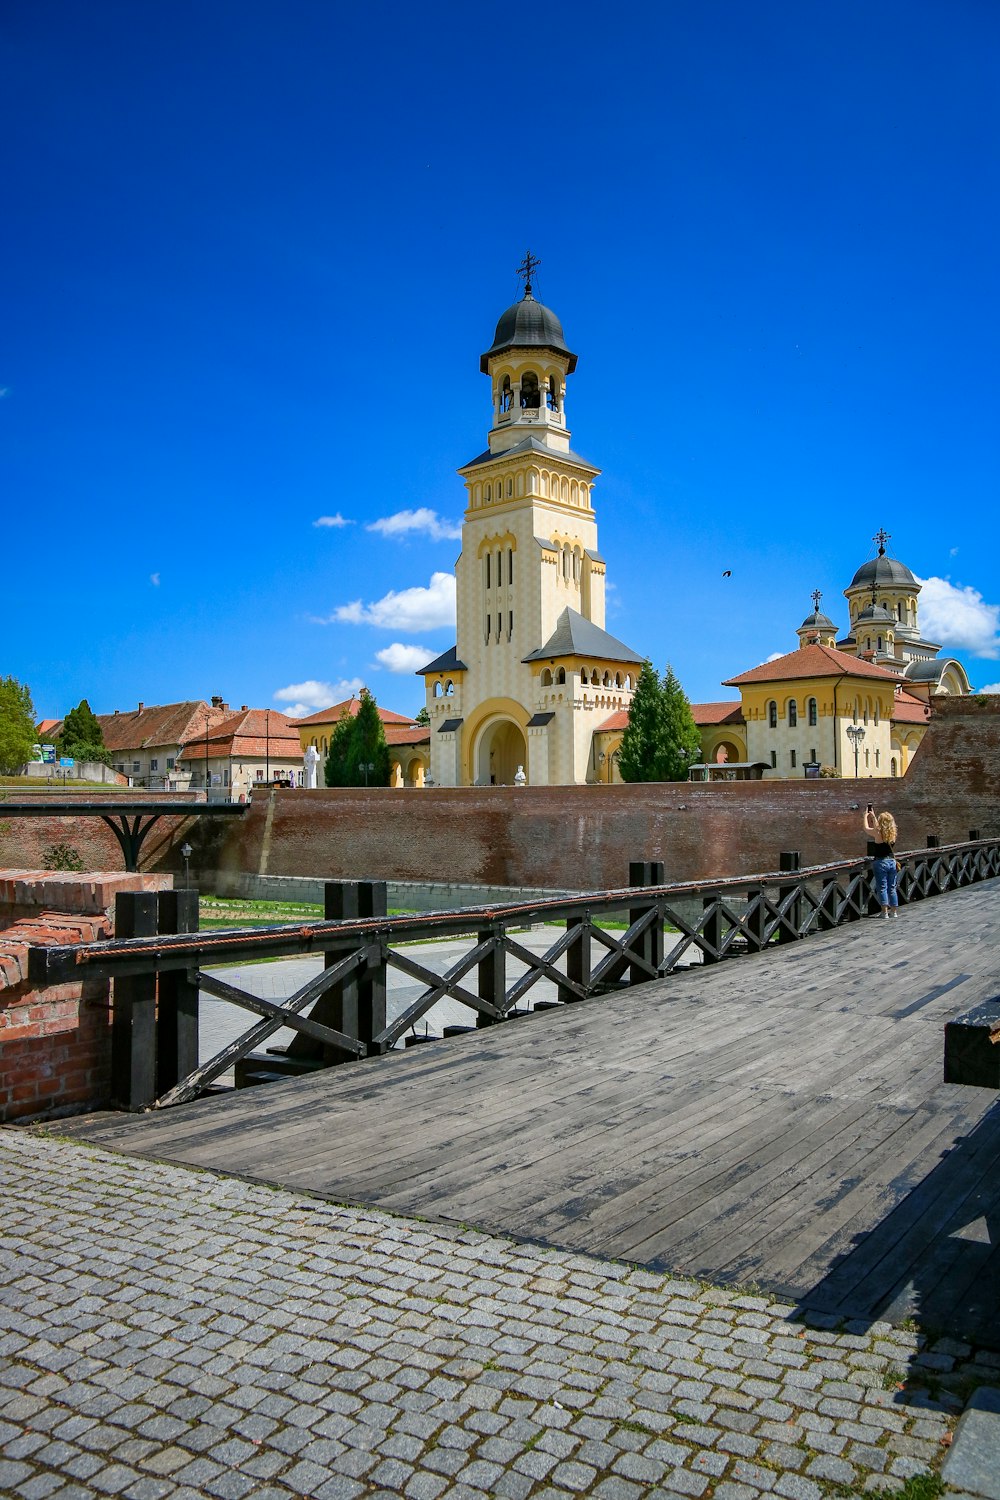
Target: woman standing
(883, 829)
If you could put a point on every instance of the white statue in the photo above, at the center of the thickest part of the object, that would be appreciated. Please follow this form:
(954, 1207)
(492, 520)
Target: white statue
(519, 777)
(311, 759)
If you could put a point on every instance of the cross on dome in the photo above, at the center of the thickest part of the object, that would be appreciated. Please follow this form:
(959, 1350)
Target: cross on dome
(527, 269)
(816, 596)
(882, 536)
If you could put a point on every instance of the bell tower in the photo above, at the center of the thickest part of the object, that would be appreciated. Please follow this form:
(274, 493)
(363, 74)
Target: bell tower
(529, 581)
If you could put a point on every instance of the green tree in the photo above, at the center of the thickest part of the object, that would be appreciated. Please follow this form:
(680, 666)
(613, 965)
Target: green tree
(82, 736)
(356, 745)
(661, 740)
(17, 726)
(423, 717)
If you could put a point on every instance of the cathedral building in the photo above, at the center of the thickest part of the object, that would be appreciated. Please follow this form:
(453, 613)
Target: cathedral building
(533, 681)
(855, 707)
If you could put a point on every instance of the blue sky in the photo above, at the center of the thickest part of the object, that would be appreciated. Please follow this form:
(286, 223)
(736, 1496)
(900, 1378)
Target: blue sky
(253, 252)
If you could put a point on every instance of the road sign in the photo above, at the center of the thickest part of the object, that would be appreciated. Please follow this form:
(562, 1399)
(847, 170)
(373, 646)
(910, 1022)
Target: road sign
(67, 760)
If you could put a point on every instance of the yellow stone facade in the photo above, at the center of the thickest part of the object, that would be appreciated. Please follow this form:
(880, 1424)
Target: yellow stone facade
(533, 673)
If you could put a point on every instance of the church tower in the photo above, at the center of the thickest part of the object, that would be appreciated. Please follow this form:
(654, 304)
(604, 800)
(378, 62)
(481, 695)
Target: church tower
(533, 672)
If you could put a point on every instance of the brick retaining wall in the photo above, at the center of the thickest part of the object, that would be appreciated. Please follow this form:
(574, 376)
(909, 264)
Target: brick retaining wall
(584, 837)
(55, 1043)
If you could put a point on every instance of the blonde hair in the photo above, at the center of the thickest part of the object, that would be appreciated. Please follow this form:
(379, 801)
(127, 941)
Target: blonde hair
(887, 827)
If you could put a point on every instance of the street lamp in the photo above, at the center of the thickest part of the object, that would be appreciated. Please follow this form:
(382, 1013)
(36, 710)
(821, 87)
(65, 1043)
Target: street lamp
(856, 734)
(207, 777)
(267, 744)
(186, 852)
(367, 766)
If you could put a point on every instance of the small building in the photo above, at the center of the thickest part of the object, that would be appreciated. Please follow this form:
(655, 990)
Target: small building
(408, 741)
(256, 747)
(145, 743)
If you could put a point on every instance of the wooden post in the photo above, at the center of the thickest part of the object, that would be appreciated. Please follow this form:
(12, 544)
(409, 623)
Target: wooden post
(577, 957)
(790, 861)
(650, 945)
(711, 930)
(492, 972)
(133, 1033)
(177, 997)
(756, 920)
(356, 1006)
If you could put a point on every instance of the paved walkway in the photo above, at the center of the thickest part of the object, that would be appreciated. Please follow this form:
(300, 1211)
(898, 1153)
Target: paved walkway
(167, 1334)
(779, 1119)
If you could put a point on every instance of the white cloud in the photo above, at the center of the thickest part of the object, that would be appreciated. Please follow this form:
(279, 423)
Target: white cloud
(404, 522)
(301, 698)
(991, 687)
(411, 610)
(154, 579)
(337, 520)
(776, 655)
(400, 658)
(953, 552)
(959, 617)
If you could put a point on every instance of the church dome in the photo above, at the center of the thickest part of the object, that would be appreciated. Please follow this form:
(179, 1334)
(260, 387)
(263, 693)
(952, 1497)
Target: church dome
(877, 614)
(528, 325)
(884, 572)
(817, 621)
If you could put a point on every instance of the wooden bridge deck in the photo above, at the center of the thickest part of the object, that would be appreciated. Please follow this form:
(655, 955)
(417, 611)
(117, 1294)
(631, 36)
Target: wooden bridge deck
(778, 1119)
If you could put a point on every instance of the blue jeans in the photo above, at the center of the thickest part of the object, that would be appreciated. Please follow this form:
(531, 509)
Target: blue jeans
(886, 875)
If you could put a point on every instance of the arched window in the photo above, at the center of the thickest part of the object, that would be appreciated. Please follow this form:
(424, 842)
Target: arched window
(510, 565)
(449, 689)
(619, 680)
(793, 713)
(564, 491)
(892, 767)
(486, 494)
(880, 643)
(551, 395)
(530, 394)
(510, 488)
(546, 678)
(560, 676)
(505, 394)
(813, 714)
(628, 682)
(438, 690)
(583, 677)
(772, 715)
(606, 680)
(545, 484)
(488, 584)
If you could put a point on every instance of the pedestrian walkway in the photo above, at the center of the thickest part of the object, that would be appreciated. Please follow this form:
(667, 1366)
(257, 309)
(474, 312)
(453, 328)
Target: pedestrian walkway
(779, 1119)
(169, 1334)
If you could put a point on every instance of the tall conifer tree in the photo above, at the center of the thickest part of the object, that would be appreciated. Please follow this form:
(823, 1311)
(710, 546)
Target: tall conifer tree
(82, 736)
(661, 740)
(356, 743)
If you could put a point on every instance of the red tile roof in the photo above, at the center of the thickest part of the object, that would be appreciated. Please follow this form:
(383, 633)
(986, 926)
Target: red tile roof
(718, 713)
(617, 721)
(407, 734)
(253, 733)
(909, 710)
(811, 661)
(160, 724)
(350, 706)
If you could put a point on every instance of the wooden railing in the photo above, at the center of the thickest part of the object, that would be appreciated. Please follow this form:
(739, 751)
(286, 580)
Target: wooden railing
(158, 960)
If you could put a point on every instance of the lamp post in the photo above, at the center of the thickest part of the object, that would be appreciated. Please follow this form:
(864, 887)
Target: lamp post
(267, 744)
(856, 734)
(367, 766)
(207, 777)
(186, 852)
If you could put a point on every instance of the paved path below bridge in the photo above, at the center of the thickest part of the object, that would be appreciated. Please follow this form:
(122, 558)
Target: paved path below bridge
(778, 1119)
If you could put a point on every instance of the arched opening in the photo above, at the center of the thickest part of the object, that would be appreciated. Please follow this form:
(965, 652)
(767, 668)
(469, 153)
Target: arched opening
(500, 751)
(793, 713)
(813, 713)
(772, 714)
(546, 678)
(560, 676)
(505, 394)
(530, 395)
(449, 689)
(438, 690)
(552, 395)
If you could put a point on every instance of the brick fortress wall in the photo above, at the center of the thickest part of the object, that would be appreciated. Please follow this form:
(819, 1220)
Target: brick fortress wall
(584, 837)
(55, 1043)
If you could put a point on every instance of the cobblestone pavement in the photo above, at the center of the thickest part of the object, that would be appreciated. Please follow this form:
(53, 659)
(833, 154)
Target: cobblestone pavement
(165, 1332)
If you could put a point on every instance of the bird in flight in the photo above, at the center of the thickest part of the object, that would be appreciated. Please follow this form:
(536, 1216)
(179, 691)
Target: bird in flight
(728, 573)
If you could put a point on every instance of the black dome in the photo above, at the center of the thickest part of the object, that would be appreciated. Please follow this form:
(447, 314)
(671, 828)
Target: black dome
(817, 621)
(528, 325)
(883, 570)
